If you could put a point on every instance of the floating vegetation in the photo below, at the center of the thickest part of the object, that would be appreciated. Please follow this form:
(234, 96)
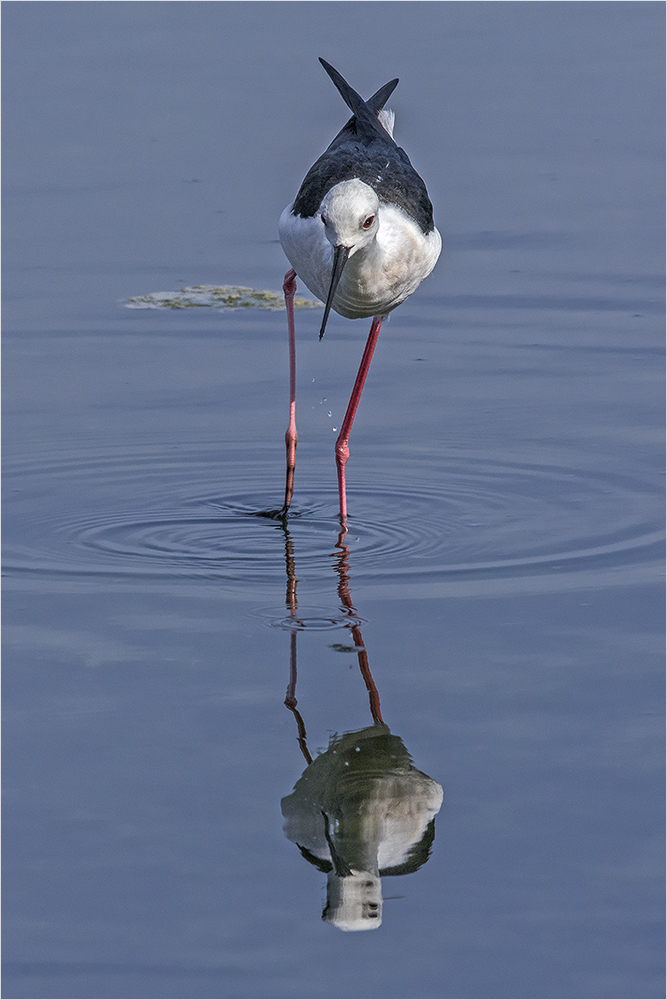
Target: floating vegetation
(217, 297)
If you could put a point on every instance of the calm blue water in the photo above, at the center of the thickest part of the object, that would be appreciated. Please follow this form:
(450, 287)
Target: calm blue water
(504, 562)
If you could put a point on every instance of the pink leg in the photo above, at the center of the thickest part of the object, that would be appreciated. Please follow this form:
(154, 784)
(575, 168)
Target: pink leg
(291, 438)
(342, 449)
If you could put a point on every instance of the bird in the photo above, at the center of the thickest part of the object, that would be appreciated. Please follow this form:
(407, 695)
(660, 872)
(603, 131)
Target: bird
(360, 235)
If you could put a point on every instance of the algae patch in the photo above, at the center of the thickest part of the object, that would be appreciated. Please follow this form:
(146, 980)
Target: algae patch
(217, 297)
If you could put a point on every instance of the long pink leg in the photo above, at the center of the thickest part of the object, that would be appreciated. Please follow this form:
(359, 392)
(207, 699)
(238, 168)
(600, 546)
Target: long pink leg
(342, 444)
(291, 438)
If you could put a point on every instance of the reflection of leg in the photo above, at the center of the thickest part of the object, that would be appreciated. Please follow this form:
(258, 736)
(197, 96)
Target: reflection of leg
(373, 693)
(343, 570)
(342, 448)
(291, 702)
(290, 596)
(289, 288)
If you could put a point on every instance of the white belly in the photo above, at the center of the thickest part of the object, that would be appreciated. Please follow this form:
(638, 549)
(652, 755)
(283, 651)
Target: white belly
(376, 279)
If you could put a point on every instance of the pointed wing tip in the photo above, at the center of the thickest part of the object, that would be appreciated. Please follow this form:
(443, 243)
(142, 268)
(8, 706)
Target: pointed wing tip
(339, 81)
(333, 74)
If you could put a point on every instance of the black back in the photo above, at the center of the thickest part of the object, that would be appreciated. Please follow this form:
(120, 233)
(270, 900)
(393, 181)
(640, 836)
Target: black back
(365, 150)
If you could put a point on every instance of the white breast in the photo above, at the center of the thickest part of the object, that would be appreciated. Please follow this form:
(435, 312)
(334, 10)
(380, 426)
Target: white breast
(377, 278)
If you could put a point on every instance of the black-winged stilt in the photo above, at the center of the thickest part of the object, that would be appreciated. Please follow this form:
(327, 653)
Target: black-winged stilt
(360, 235)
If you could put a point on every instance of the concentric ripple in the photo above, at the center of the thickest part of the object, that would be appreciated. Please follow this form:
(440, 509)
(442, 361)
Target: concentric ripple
(310, 619)
(468, 517)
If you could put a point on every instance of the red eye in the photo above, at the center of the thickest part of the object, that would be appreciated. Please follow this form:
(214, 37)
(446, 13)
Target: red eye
(369, 222)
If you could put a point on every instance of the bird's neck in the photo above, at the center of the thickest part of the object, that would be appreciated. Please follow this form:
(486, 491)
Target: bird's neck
(366, 259)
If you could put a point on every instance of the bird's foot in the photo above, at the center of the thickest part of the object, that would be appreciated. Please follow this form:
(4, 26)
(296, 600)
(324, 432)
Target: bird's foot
(279, 514)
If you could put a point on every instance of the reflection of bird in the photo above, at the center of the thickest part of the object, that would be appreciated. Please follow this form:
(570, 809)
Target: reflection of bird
(361, 811)
(360, 234)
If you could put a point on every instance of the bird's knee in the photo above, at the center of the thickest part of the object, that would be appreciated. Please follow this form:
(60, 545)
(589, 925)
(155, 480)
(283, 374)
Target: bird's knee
(342, 452)
(289, 283)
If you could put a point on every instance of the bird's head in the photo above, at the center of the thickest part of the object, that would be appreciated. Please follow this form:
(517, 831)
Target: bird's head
(350, 215)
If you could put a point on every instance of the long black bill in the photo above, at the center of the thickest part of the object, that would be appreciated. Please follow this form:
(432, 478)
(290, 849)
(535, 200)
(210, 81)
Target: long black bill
(341, 254)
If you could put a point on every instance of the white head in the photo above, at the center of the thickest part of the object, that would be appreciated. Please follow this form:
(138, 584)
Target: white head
(354, 901)
(350, 215)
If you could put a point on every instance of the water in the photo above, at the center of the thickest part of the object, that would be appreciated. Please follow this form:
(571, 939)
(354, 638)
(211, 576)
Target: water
(500, 582)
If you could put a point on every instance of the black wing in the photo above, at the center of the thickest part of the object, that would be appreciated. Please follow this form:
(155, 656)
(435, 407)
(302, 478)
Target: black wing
(365, 150)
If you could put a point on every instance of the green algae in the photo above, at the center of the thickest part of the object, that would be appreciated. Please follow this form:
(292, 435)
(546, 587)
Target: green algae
(217, 297)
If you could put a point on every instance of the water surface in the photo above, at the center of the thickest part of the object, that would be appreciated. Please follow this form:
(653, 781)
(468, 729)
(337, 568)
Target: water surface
(500, 581)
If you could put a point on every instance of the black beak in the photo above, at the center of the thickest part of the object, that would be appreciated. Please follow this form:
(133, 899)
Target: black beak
(341, 254)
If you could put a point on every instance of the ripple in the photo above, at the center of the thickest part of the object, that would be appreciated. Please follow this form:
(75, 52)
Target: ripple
(310, 619)
(467, 517)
